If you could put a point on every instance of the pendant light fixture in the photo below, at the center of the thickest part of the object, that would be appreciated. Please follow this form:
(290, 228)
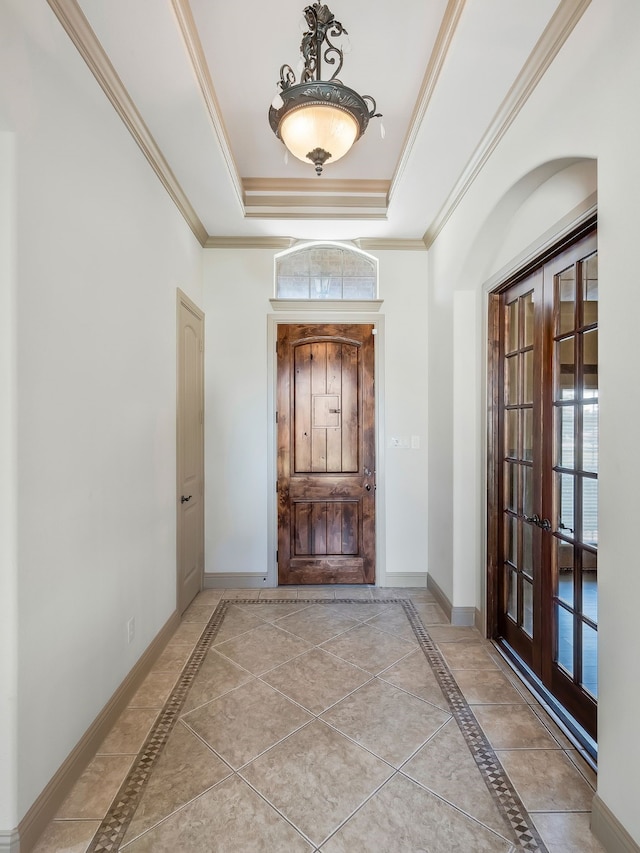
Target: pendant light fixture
(319, 120)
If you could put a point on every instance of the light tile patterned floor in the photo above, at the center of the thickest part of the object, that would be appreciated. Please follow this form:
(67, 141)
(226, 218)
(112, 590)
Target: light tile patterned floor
(293, 720)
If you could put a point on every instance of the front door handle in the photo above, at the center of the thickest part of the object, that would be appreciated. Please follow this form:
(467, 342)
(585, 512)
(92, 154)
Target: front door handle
(184, 500)
(367, 487)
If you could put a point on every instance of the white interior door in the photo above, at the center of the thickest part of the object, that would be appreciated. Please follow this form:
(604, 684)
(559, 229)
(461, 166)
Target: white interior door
(190, 451)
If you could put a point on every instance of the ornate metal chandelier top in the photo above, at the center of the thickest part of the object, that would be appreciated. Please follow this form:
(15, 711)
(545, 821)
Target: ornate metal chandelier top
(319, 120)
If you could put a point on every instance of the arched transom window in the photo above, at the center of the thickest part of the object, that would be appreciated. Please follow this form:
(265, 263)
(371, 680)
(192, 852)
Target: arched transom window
(325, 271)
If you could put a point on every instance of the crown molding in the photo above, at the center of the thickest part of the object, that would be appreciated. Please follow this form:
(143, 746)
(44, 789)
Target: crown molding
(186, 22)
(82, 35)
(546, 49)
(390, 244)
(437, 59)
(249, 243)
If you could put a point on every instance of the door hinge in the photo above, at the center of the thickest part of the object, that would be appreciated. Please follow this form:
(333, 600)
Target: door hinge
(276, 485)
(276, 347)
(276, 558)
(276, 417)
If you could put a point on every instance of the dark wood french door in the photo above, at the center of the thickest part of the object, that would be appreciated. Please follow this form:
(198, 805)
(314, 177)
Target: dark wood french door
(326, 454)
(543, 489)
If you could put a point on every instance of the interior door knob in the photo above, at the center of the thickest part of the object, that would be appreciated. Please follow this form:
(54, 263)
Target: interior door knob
(184, 500)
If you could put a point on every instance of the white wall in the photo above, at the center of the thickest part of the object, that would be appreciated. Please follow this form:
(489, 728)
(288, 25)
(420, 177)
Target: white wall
(440, 440)
(238, 285)
(466, 460)
(99, 251)
(404, 288)
(585, 108)
(8, 487)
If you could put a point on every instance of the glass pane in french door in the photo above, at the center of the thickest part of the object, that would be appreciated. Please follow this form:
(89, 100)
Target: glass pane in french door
(575, 467)
(517, 460)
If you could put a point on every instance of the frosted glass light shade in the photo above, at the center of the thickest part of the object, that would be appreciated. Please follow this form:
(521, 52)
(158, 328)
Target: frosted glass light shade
(319, 126)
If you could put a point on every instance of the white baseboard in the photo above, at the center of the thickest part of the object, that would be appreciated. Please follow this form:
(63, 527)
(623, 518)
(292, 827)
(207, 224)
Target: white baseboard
(463, 617)
(406, 579)
(609, 831)
(435, 589)
(236, 580)
(9, 841)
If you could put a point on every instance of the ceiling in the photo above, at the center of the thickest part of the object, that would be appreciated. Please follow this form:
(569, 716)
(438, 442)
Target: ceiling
(194, 79)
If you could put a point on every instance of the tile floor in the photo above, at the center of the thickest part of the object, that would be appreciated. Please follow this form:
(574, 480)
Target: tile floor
(291, 721)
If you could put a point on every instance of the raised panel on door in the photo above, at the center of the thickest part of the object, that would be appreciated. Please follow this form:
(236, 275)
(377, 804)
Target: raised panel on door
(326, 472)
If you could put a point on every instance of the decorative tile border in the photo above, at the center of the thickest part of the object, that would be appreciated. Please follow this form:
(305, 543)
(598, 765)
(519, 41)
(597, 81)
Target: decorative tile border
(492, 771)
(112, 830)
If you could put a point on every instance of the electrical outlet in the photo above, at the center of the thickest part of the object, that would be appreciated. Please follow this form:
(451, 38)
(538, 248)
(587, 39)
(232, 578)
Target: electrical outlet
(131, 629)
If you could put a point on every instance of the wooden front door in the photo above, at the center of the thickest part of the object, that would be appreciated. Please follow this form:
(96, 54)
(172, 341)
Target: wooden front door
(190, 455)
(543, 524)
(326, 454)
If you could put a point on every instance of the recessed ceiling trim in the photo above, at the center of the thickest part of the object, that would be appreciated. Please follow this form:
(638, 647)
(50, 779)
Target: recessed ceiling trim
(82, 35)
(249, 243)
(439, 53)
(265, 197)
(315, 213)
(252, 203)
(546, 49)
(193, 44)
(303, 186)
(372, 244)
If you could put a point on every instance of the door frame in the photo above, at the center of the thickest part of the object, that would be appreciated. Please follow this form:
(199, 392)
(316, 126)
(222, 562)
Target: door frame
(319, 317)
(575, 228)
(183, 299)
